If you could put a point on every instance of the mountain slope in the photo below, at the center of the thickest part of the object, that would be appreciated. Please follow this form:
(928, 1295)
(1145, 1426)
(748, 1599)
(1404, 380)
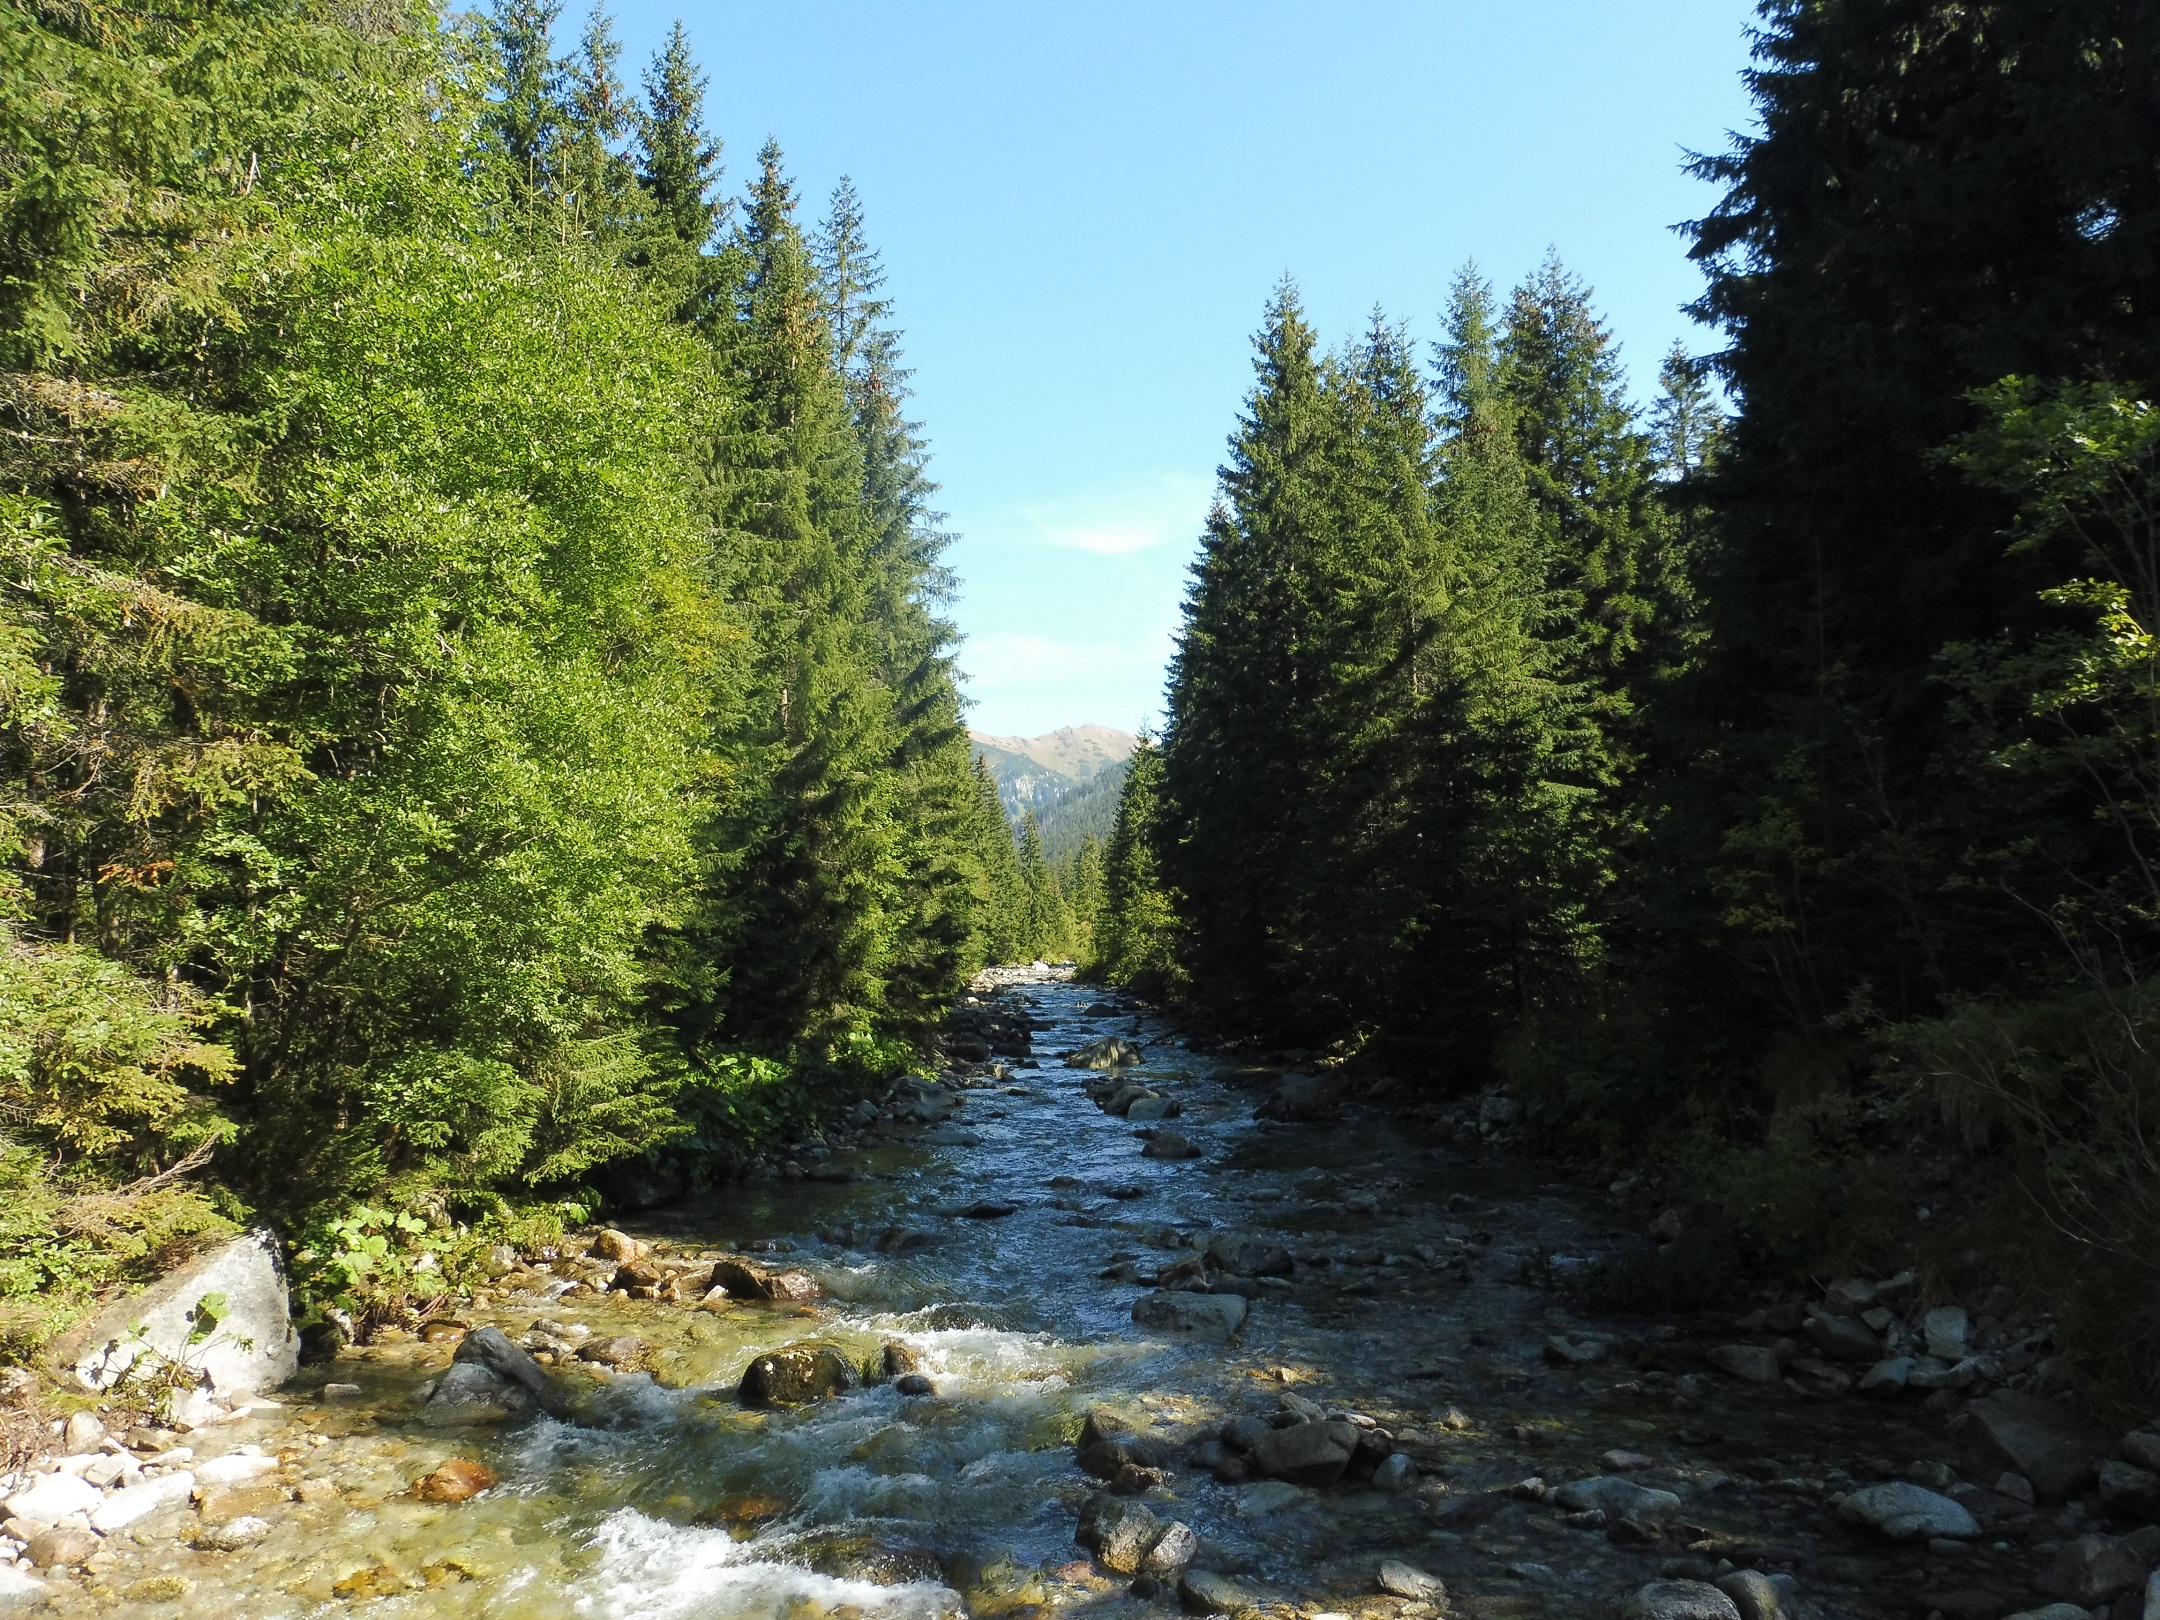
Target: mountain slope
(1032, 771)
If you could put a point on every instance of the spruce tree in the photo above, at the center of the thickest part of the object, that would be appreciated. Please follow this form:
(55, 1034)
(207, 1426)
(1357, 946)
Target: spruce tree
(678, 162)
(528, 119)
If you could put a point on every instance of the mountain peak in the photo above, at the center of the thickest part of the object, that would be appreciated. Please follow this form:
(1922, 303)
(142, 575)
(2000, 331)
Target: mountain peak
(1074, 752)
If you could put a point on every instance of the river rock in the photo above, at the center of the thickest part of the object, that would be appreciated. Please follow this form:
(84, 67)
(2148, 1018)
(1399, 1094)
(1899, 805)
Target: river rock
(1177, 1546)
(2093, 1569)
(21, 1591)
(1301, 1098)
(619, 1247)
(1617, 1498)
(1395, 1473)
(471, 1392)
(62, 1546)
(1758, 1596)
(1842, 1338)
(2049, 1444)
(796, 1375)
(1110, 1052)
(746, 1279)
(493, 1349)
(1169, 1145)
(53, 1496)
(1249, 1254)
(235, 1468)
(623, 1352)
(83, 1432)
(1118, 1531)
(233, 1534)
(2054, 1611)
(1193, 1316)
(1204, 1591)
(1402, 1580)
(1906, 1512)
(1307, 1453)
(1751, 1363)
(1146, 1110)
(2130, 1489)
(1887, 1377)
(458, 1480)
(123, 1507)
(252, 1346)
(2143, 1448)
(1948, 1332)
(1679, 1600)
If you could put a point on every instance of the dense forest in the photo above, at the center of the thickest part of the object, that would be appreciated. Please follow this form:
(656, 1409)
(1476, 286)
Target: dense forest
(475, 702)
(1769, 797)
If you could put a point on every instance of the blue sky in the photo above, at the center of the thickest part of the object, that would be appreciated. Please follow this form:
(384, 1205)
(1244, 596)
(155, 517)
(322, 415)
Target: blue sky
(1083, 207)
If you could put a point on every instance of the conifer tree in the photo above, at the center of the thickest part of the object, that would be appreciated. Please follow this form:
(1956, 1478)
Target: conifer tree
(1139, 931)
(678, 162)
(528, 118)
(599, 183)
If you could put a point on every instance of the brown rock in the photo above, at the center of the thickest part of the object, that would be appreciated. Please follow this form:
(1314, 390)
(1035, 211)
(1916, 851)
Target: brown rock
(746, 1279)
(621, 1351)
(896, 1360)
(797, 1374)
(617, 1246)
(458, 1480)
(639, 1274)
(60, 1547)
(218, 1503)
(443, 1331)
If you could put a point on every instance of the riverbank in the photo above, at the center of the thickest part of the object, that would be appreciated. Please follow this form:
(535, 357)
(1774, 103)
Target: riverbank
(1415, 1410)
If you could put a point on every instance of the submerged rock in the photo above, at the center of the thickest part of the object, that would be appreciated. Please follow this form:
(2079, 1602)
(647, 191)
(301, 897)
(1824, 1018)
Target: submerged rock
(1617, 1498)
(458, 1480)
(797, 1375)
(1203, 1591)
(1110, 1052)
(1169, 1145)
(1192, 1316)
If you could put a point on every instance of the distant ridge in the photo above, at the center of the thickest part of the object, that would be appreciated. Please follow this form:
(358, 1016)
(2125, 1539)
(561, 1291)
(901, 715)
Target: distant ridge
(1059, 771)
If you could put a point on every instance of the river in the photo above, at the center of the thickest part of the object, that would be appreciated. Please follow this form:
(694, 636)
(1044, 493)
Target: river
(1422, 1300)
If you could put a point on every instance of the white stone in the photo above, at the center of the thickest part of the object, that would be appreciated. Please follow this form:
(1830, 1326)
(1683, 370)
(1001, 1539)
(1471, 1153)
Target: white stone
(252, 1346)
(234, 1467)
(52, 1497)
(125, 1506)
(19, 1589)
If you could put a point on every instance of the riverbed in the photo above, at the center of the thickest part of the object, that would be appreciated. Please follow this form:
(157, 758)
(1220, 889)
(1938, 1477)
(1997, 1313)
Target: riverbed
(1427, 1292)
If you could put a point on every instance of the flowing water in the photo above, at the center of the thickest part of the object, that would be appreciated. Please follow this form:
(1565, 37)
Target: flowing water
(1422, 1300)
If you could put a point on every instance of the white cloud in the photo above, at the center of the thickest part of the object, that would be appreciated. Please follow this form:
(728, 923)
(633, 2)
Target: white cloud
(1165, 510)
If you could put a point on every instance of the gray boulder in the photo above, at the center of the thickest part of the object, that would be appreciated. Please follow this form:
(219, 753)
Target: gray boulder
(1307, 1453)
(1300, 1098)
(1679, 1600)
(234, 1297)
(797, 1375)
(1617, 1498)
(1177, 1546)
(1190, 1316)
(1841, 1338)
(1758, 1596)
(1203, 1591)
(492, 1348)
(2093, 1569)
(2049, 1444)
(473, 1392)
(2130, 1489)
(1888, 1377)
(1169, 1145)
(1249, 1255)
(1906, 1512)
(1751, 1363)
(1119, 1532)
(1149, 1109)
(1948, 1332)
(1402, 1580)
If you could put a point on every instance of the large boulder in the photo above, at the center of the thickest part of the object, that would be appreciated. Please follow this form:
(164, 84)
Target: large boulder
(746, 1279)
(1119, 1532)
(2093, 1569)
(796, 1375)
(1212, 1317)
(2049, 1444)
(1301, 1097)
(1679, 1600)
(492, 1348)
(1617, 1498)
(471, 1392)
(225, 1316)
(1904, 1512)
(1310, 1453)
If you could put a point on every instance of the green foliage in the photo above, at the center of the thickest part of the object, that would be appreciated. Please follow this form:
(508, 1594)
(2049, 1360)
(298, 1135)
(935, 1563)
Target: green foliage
(471, 647)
